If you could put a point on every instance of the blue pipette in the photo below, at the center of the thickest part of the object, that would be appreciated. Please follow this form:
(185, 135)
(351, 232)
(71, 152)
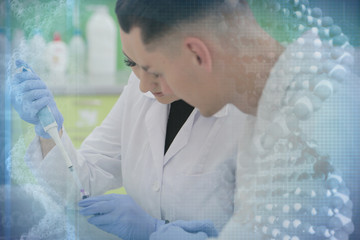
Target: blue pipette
(50, 126)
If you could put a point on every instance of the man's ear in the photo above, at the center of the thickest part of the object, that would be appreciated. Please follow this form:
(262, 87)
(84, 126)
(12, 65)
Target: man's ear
(200, 52)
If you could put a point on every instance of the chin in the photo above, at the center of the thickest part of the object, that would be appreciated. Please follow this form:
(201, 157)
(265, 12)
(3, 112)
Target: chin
(165, 100)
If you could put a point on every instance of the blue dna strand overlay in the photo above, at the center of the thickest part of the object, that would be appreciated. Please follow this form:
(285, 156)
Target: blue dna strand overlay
(293, 191)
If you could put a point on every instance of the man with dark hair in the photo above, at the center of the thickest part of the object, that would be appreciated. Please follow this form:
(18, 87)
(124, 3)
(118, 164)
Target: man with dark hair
(163, 29)
(285, 64)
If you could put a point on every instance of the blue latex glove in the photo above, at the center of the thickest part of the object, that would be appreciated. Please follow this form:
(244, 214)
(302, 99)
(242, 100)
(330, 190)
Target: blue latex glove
(190, 230)
(29, 95)
(119, 215)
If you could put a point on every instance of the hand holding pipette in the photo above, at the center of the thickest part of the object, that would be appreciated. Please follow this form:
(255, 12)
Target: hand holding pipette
(35, 104)
(29, 95)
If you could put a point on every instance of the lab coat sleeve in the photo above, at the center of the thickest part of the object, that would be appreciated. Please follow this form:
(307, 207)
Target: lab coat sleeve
(97, 163)
(51, 171)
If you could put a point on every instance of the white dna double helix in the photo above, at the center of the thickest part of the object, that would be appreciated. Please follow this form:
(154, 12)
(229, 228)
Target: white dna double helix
(293, 191)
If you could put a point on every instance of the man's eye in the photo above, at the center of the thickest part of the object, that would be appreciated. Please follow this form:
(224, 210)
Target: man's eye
(129, 63)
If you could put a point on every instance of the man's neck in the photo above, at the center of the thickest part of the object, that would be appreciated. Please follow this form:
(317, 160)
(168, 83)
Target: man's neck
(254, 72)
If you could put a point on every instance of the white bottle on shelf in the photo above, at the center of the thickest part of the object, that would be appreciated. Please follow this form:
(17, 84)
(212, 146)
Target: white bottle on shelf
(57, 59)
(77, 54)
(102, 43)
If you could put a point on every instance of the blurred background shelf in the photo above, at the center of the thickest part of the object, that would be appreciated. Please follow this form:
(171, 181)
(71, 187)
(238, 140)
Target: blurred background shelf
(89, 84)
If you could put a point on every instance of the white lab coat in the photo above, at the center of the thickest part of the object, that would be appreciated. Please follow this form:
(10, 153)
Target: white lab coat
(195, 179)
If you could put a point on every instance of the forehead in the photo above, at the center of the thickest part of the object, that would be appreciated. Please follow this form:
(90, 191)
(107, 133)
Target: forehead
(131, 41)
(153, 60)
(134, 47)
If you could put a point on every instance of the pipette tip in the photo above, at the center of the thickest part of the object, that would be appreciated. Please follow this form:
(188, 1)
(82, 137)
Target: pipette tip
(83, 194)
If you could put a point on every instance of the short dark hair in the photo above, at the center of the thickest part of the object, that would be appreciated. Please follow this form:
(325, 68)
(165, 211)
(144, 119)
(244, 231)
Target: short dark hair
(156, 18)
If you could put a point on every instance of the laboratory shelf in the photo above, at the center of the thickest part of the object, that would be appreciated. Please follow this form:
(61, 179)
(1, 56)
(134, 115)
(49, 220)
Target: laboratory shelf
(87, 84)
(87, 89)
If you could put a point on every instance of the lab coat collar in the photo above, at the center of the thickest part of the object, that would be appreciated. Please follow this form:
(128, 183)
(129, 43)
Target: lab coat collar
(149, 94)
(156, 121)
(181, 138)
(221, 113)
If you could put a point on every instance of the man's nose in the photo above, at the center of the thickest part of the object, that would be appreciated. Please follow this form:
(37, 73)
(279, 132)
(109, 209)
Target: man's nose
(147, 81)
